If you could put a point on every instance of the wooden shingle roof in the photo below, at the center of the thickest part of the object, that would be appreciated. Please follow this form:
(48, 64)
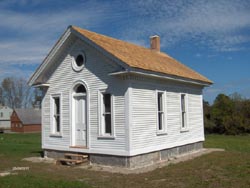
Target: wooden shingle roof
(142, 58)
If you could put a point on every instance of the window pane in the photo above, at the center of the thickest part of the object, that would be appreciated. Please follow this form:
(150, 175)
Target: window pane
(107, 102)
(160, 102)
(183, 119)
(183, 108)
(57, 105)
(160, 120)
(108, 123)
(80, 89)
(79, 60)
(57, 114)
(58, 124)
(160, 110)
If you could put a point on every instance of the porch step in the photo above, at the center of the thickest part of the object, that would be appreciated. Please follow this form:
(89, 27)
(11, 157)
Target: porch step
(76, 155)
(73, 159)
(65, 161)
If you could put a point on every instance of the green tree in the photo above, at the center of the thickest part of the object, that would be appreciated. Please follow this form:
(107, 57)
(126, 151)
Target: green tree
(228, 115)
(246, 114)
(208, 123)
(221, 112)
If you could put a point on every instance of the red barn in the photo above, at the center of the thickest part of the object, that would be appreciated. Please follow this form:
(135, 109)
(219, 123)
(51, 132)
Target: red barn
(26, 120)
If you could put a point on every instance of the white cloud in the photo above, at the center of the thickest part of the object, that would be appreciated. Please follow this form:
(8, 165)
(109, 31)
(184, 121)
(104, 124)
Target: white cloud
(26, 23)
(30, 34)
(216, 24)
(27, 36)
(22, 52)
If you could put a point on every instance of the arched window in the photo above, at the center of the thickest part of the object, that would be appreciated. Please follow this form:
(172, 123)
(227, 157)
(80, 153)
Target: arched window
(80, 89)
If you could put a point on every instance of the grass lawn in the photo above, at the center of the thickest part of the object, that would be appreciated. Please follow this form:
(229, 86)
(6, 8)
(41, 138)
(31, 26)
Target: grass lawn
(219, 169)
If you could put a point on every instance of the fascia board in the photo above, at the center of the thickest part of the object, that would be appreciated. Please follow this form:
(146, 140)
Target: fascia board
(50, 55)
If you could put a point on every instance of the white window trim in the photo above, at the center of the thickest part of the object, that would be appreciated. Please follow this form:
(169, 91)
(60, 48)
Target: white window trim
(101, 134)
(53, 132)
(164, 124)
(73, 63)
(186, 128)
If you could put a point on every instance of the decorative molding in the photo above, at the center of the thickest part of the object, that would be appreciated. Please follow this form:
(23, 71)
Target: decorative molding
(128, 116)
(50, 55)
(142, 76)
(71, 94)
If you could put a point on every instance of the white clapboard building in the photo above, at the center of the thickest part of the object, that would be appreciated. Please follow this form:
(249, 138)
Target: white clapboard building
(117, 102)
(5, 113)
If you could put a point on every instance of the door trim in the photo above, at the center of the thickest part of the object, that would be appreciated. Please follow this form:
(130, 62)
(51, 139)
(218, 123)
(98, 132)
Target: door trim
(78, 105)
(72, 126)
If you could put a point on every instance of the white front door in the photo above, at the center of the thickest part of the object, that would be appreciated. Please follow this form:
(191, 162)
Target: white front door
(80, 120)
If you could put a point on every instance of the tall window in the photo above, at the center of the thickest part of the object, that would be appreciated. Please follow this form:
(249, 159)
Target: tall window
(183, 112)
(56, 115)
(106, 114)
(160, 104)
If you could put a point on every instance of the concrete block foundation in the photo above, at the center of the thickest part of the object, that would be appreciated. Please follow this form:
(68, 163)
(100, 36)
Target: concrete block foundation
(137, 161)
(54, 154)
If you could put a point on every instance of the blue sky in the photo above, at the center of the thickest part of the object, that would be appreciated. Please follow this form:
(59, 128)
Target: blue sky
(212, 37)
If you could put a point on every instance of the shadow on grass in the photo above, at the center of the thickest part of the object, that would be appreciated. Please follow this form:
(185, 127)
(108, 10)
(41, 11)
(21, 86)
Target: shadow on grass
(40, 153)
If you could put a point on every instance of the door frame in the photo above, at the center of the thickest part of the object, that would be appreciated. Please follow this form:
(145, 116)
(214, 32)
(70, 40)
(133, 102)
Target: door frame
(71, 110)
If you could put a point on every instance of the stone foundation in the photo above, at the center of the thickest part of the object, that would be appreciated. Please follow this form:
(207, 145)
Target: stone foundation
(137, 161)
(54, 154)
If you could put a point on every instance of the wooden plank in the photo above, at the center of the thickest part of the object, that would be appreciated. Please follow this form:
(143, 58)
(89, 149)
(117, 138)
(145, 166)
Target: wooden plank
(75, 155)
(81, 147)
(72, 161)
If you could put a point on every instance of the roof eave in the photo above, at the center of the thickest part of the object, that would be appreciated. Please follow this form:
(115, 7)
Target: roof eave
(51, 54)
(59, 43)
(168, 77)
(41, 85)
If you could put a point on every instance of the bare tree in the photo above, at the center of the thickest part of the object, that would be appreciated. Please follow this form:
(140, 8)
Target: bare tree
(16, 93)
(37, 97)
(1, 97)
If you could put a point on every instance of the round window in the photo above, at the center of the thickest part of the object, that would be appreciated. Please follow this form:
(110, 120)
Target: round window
(78, 62)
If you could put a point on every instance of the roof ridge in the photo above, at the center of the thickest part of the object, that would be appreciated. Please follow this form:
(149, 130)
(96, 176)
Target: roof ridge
(112, 38)
(129, 43)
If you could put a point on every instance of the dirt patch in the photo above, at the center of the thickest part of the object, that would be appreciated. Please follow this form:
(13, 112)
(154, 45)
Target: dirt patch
(40, 160)
(13, 171)
(2, 174)
(123, 170)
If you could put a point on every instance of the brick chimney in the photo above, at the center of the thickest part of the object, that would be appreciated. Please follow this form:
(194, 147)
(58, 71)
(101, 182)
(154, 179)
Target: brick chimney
(155, 43)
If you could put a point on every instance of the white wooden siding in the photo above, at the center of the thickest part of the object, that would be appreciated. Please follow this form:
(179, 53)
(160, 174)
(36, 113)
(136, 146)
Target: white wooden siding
(135, 131)
(5, 119)
(95, 75)
(144, 136)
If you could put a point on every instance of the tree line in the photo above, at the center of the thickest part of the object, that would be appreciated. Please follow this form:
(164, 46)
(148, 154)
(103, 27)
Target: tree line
(16, 93)
(227, 115)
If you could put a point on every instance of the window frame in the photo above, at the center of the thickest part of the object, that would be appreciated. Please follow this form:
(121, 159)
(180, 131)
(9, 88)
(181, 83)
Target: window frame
(53, 131)
(184, 117)
(101, 120)
(163, 112)
(74, 64)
